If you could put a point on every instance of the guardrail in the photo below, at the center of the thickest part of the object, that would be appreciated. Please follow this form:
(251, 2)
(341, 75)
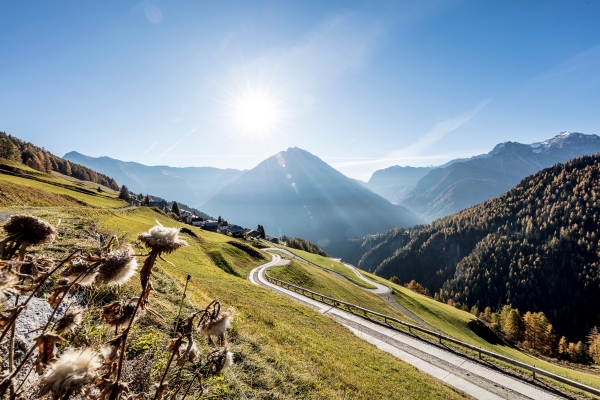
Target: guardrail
(387, 319)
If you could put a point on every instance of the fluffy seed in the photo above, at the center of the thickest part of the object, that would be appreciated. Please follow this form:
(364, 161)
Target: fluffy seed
(217, 325)
(73, 371)
(70, 321)
(79, 266)
(220, 360)
(118, 267)
(119, 313)
(162, 239)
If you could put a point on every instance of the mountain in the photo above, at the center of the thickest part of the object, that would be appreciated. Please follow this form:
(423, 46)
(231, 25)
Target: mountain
(465, 182)
(535, 248)
(190, 185)
(297, 194)
(395, 182)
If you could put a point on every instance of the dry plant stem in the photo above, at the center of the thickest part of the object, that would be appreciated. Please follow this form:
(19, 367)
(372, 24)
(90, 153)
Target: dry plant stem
(81, 276)
(40, 284)
(162, 379)
(181, 304)
(174, 395)
(25, 378)
(187, 390)
(152, 260)
(16, 371)
(11, 344)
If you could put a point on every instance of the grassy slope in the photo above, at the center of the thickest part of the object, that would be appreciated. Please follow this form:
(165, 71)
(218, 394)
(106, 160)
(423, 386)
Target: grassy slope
(283, 350)
(330, 264)
(454, 323)
(47, 190)
(319, 281)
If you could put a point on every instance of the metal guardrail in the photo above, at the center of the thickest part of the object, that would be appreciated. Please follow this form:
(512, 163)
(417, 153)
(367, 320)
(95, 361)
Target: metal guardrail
(386, 318)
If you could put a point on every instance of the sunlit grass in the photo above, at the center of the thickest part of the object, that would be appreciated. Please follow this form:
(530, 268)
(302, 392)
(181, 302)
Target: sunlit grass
(453, 322)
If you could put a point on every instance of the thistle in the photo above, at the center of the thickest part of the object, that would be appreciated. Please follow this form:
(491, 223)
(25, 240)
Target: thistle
(80, 268)
(117, 268)
(120, 313)
(24, 231)
(215, 323)
(161, 239)
(36, 266)
(70, 321)
(219, 360)
(73, 372)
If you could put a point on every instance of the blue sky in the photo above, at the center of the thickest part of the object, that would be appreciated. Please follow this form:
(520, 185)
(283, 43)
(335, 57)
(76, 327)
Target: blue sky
(363, 85)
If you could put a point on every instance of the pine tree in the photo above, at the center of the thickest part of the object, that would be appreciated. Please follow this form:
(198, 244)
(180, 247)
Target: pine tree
(9, 151)
(147, 200)
(175, 209)
(563, 347)
(124, 193)
(593, 341)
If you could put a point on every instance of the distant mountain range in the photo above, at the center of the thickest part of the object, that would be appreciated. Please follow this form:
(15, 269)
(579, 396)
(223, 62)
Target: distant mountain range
(191, 185)
(297, 194)
(437, 192)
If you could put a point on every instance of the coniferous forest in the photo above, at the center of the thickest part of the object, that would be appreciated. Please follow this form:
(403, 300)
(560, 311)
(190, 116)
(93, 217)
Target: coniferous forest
(536, 248)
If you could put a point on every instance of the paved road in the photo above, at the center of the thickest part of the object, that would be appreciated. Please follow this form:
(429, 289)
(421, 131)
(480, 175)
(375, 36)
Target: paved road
(476, 379)
(381, 290)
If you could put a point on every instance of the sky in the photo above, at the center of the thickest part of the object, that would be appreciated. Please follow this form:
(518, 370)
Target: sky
(362, 85)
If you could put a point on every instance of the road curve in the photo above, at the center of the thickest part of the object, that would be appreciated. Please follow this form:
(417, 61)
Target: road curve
(380, 290)
(476, 379)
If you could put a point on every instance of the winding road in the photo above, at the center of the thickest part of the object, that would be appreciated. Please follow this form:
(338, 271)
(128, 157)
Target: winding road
(476, 379)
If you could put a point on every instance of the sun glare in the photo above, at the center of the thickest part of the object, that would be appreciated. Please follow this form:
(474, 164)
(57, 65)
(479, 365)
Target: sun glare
(256, 115)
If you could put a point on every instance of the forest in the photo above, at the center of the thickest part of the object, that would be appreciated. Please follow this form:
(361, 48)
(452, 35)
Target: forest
(15, 149)
(535, 248)
(301, 244)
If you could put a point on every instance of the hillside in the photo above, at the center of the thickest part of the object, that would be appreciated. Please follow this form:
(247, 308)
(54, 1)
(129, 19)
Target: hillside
(190, 185)
(534, 248)
(15, 149)
(281, 349)
(463, 183)
(295, 193)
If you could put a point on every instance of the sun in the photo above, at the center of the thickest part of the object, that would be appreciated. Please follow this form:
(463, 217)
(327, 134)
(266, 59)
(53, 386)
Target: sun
(256, 114)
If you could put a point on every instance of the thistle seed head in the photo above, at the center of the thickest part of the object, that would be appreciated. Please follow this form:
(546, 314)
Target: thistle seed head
(74, 371)
(218, 325)
(70, 321)
(119, 313)
(117, 268)
(161, 239)
(220, 360)
(31, 229)
(79, 266)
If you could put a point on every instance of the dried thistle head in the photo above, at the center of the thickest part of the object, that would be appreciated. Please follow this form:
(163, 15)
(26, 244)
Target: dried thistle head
(219, 360)
(55, 298)
(216, 325)
(161, 239)
(45, 345)
(77, 267)
(69, 322)
(112, 351)
(188, 353)
(119, 313)
(117, 268)
(73, 371)
(30, 229)
(36, 266)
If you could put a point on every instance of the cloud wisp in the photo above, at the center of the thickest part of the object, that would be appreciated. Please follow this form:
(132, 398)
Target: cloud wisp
(414, 150)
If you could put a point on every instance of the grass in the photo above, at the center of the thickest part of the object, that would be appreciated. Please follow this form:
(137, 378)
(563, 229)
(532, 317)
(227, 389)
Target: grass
(283, 350)
(330, 264)
(317, 280)
(454, 322)
(46, 190)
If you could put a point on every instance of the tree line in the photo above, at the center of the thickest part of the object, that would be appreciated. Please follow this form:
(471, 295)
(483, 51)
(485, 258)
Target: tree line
(14, 149)
(537, 247)
(301, 244)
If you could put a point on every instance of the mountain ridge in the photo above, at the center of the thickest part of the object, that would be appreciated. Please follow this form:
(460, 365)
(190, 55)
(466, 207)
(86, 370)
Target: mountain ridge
(297, 194)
